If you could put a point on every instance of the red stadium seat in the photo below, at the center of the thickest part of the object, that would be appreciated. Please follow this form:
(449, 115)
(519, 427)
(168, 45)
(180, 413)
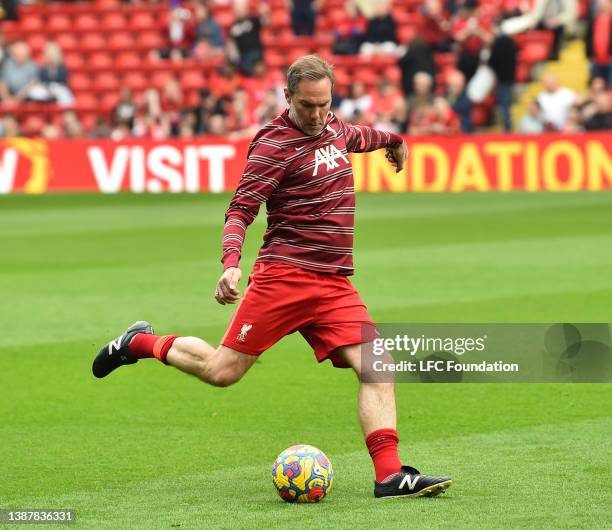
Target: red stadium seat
(128, 60)
(407, 32)
(107, 4)
(57, 23)
(79, 81)
(140, 21)
(225, 18)
(160, 78)
(93, 42)
(86, 100)
(135, 81)
(109, 100)
(113, 21)
(393, 74)
(36, 42)
(192, 79)
(100, 61)
(120, 41)
(280, 19)
(73, 60)
(106, 81)
(151, 40)
(67, 41)
(32, 23)
(86, 22)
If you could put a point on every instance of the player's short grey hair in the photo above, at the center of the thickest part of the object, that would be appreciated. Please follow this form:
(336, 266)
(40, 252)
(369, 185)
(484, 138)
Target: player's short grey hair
(308, 67)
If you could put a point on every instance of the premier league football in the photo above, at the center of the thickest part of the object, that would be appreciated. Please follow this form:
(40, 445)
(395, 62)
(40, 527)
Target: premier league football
(306, 263)
(302, 473)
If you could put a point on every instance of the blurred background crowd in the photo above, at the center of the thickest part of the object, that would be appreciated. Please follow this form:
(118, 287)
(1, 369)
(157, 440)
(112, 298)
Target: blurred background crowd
(157, 70)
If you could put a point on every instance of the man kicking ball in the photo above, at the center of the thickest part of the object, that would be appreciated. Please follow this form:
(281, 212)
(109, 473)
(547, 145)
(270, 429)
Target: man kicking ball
(297, 164)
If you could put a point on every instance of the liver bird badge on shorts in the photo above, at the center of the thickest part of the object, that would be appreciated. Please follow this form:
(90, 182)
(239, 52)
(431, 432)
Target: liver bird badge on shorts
(243, 332)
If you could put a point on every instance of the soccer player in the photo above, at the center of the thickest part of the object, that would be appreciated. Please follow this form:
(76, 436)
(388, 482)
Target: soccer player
(298, 165)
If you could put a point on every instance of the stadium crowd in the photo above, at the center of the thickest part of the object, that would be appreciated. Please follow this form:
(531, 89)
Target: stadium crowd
(245, 92)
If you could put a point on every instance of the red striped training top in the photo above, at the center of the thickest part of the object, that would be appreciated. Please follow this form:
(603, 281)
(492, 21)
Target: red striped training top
(307, 185)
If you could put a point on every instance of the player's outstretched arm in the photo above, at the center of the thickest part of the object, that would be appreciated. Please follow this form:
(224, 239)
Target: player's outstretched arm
(227, 291)
(397, 156)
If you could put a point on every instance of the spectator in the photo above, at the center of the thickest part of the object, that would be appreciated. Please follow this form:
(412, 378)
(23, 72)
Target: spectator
(151, 103)
(532, 122)
(241, 119)
(503, 60)
(53, 78)
(120, 133)
(9, 126)
(19, 73)
(125, 110)
(458, 99)
(245, 46)
(71, 125)
(599, 41)
(269, 108)
(172, 103)
(418, 58)
(181, 35)
(3, 48)
(586, 102)
(262, 81)
(555, 102)
(101, 129)
(187, 124)
(225, 81)
(217, 125)
(444, 120)
(148, 126)
(601, 119)
(573, 123)
(348, 35)
(381, 32)
(472, 31)
(357, 104)
(208, 34)
(435, 29)
(423, 93)
(209, 104)
(50, 131)
(555, 15)
(303, 16)
(385, 99)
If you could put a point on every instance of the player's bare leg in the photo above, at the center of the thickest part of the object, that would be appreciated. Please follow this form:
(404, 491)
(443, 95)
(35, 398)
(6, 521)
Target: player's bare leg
(220, 366)
(376, 400)
(377, 415)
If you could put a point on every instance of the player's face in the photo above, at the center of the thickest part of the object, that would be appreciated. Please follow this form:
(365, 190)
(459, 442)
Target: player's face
(310, 104)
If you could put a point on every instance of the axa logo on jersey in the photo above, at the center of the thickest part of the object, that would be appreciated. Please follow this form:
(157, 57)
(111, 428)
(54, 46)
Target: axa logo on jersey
(328, 155)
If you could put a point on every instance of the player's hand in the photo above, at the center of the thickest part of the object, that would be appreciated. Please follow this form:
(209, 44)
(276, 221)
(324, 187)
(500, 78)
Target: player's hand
(397, 156)
(227, 287)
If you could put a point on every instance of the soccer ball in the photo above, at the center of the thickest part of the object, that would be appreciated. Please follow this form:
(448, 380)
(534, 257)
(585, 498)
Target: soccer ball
(302, 473)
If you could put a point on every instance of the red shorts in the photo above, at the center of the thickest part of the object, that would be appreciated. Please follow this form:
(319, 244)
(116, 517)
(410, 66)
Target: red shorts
(280, 299)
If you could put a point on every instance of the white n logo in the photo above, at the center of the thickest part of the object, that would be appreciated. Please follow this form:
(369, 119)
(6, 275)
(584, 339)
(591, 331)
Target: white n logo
(406, 480)
(114, 344)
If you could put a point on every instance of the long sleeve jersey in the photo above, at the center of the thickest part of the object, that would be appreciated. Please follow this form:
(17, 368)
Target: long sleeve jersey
(307, 185)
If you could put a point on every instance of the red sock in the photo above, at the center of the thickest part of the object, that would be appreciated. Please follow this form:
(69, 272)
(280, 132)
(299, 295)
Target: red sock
(382, 446)
(145, 345)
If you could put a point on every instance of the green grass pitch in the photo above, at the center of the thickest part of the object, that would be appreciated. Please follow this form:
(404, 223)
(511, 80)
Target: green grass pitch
(149, 447)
